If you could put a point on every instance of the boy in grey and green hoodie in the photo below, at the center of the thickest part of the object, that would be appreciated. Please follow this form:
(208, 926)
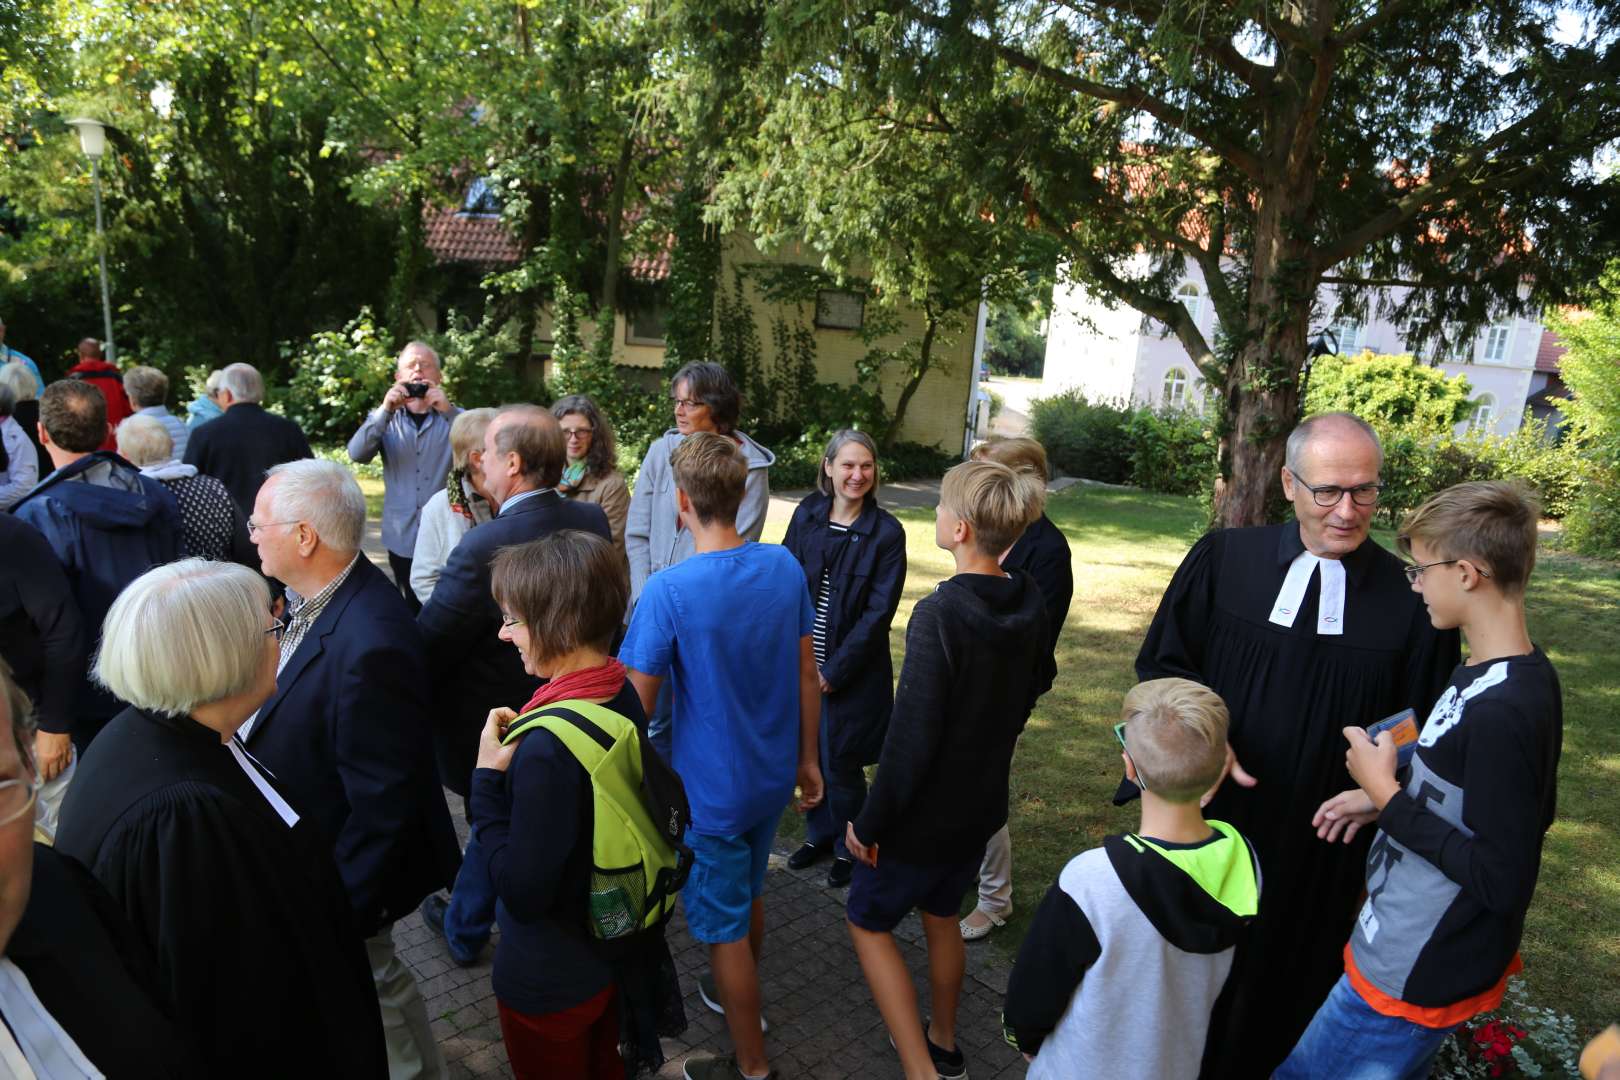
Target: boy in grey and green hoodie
(1123, 961)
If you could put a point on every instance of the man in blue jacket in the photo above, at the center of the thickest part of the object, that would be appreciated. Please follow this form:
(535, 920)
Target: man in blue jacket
(523, 460)
(347, 730)
(106, 522)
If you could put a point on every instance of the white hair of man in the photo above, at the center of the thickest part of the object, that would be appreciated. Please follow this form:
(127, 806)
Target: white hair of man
(244, 382)
(19, 381)
(1323, 424)
(326, 496)
(428, 351)
(143, 441)
(184, 634)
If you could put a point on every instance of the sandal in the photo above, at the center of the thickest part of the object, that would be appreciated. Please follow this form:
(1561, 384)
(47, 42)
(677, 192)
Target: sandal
(973, 932)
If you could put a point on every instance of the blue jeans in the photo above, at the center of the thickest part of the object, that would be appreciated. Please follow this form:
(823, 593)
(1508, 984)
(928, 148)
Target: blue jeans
(1348, 1040)
(845, 795)
(470, 915)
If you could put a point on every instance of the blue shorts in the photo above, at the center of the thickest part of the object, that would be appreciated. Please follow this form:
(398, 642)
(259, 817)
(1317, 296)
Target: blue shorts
(728, 875)
(879, 899)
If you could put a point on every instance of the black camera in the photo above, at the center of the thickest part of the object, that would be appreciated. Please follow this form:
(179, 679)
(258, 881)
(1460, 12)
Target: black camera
(416, 389)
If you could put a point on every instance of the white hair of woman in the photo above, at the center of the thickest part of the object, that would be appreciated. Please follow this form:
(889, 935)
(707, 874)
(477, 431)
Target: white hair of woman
(324, 494)
(19, 381)
(184, 634)
(143, 441)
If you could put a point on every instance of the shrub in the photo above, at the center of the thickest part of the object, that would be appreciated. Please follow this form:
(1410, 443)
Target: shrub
(1387, 391)
(1172, 451)
(338, 376)
(1592, 416)
(481, 363)
(1084, 438)
(1417, 465)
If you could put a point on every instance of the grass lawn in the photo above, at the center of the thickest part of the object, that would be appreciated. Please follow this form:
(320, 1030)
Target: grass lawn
(1126, 545)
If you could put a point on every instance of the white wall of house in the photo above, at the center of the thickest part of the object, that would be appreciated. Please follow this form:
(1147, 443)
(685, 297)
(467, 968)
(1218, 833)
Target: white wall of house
(1498, 362)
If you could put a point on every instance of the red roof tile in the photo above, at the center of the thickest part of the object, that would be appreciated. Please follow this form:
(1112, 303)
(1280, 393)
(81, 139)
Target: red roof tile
(478, 239)
(1551, 350)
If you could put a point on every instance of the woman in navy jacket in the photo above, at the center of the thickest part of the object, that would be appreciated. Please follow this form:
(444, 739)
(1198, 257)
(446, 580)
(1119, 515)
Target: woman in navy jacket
(854, 558)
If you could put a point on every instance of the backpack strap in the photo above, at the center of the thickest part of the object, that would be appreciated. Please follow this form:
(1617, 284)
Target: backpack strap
(586, 736)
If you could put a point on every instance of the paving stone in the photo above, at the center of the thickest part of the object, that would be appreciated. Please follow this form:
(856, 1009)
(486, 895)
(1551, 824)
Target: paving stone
(823, 1020)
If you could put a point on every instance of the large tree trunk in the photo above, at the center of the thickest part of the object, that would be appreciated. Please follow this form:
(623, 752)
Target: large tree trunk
(1262, 390)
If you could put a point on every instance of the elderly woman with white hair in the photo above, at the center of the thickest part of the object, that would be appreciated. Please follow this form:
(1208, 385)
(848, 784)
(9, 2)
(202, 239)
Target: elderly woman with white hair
(212, 525)
(19, 466)
(232, 892)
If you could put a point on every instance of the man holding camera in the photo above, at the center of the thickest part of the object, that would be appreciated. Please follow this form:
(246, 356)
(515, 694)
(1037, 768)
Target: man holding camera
(412, 429)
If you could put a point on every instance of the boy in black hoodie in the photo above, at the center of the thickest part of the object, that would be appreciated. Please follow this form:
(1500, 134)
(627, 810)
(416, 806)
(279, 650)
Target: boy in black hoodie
(973, 649)
(1126, 955)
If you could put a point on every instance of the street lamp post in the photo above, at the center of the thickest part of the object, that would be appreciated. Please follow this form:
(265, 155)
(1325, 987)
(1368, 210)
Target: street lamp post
(93, 141)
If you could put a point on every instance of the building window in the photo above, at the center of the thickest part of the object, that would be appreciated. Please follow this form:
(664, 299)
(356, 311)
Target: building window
(646, 325)
(840, 310)
(482, 198)
(1496, 344)
(1175, 388)
(1348, 333)
(1191, 298)
(1484, 412)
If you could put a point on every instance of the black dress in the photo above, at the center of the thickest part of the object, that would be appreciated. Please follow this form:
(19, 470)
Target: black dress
(246, 915)
(1290, 692)
(92, 975)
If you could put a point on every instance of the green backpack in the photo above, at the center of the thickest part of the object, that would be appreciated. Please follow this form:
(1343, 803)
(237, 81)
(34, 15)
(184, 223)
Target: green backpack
(640, 815)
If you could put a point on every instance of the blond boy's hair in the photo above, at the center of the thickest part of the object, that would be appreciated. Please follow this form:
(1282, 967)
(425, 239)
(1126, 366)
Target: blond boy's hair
(1015, 453)
(1491, 523)
(713, 472)
(1000, 503)
(1175, 733)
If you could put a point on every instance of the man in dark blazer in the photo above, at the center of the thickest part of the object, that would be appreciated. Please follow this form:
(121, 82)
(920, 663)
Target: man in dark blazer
(523, 460)
(347, 730)
(238, 448)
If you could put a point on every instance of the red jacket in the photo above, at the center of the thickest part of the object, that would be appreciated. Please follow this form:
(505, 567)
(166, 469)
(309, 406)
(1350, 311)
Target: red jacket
(110, 381)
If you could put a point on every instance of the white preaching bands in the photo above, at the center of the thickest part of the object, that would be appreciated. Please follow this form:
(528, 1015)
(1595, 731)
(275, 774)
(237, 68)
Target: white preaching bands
(1291, 597)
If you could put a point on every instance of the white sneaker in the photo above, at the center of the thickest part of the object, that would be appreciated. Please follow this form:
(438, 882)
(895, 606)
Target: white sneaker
(711, 997)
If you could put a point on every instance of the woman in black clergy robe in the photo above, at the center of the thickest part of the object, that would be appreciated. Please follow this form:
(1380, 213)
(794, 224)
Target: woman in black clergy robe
(1294, 673)
(225, 884)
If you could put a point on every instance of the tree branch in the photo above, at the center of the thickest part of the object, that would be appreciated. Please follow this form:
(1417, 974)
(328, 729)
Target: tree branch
(1391, 10)
(342, 73)
(1237, 156)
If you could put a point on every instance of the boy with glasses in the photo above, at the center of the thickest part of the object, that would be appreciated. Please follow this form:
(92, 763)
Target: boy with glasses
(1133, 943)
(1460, 824)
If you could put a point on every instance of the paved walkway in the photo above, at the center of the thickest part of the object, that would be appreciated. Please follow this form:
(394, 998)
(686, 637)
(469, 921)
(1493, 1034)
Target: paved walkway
(824, 1024)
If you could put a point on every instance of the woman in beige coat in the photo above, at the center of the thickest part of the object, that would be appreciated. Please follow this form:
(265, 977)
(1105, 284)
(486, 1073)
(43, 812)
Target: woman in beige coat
(592, 472)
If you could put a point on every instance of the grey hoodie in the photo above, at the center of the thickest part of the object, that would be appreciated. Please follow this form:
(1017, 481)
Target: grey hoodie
(653, 538)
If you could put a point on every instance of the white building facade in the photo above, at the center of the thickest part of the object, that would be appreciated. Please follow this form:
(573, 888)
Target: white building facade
(1117, 354)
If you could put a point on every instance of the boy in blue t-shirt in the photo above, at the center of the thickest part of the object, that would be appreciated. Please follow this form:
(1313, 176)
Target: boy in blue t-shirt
(731, 628)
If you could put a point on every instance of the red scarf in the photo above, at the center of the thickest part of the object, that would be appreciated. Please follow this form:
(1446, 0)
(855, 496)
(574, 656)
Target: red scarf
(590, 684)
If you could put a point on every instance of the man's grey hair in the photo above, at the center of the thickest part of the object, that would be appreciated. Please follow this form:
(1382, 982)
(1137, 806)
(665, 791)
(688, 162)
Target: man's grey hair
(1325, 424)
(185, 634)
(143, 441)
(244, 382)
(16, 378)
(324, 494)
(146, 386)
(422, 347)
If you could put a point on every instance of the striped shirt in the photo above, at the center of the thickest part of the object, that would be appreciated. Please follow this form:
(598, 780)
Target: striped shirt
(301, 615)
(818, 632)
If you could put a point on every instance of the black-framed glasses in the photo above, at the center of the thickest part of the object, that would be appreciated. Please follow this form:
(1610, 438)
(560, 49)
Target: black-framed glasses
(1414, 572)
(16, 799)
(508, 621)
(1331, 494)
(578, 433)
(685, 403)
(1119, 733)
(277, 628)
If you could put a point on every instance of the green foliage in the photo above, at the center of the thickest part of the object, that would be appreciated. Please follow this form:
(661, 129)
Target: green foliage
(1591, 370)
(1418, 464)
(338, 376)
(1172, 451)
(1390, 391)
(1013, 344)
(482, 362)
(1084, 438)
(694, 277)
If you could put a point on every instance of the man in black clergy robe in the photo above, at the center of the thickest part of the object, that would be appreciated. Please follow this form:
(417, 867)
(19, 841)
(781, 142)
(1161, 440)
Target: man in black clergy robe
(1304, 629)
